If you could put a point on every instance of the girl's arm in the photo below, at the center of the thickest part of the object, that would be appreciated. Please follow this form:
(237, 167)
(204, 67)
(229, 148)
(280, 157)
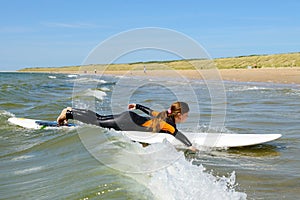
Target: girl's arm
(145, 109)
(182, 138)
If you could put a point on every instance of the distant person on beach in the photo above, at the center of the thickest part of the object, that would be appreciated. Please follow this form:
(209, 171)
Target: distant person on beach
(158, 122)
(145, 70)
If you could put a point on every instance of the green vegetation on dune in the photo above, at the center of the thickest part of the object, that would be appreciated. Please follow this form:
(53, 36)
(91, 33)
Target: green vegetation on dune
(240, 62)
(260, 61)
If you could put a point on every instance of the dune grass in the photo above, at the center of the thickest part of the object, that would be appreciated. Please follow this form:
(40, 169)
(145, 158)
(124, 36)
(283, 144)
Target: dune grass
(260, 61)
(240, 62)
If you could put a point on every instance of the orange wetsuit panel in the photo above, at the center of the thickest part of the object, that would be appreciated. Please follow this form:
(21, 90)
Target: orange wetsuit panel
(164, 126)
(154, 113)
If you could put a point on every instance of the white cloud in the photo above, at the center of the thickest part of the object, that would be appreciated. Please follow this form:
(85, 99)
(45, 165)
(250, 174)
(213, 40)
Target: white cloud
(70, 25)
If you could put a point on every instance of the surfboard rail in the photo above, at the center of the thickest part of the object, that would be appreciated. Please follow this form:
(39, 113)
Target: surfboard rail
(37, 124)
(218, 140)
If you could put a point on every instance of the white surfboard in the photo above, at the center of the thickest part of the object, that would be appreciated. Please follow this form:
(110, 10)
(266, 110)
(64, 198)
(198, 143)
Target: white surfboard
(37, 124)
(218, 140)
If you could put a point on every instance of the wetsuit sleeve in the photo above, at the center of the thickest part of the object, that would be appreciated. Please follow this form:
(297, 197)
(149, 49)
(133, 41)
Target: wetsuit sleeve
(146, 110)
(182, 138)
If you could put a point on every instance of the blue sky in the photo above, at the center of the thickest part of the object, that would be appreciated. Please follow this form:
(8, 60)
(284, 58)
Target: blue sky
(47, 33)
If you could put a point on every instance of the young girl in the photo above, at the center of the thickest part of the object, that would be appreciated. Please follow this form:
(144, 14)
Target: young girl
(159, 122)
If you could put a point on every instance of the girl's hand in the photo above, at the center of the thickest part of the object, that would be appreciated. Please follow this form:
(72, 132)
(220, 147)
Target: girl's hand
(132, 106)
(194, 149)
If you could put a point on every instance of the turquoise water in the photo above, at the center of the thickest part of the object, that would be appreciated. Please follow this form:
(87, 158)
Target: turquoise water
(82, 163)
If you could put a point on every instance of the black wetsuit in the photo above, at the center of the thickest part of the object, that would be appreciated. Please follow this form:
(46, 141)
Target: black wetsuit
(128, 121)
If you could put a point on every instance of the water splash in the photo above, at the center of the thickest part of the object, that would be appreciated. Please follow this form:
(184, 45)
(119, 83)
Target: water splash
(183, 180)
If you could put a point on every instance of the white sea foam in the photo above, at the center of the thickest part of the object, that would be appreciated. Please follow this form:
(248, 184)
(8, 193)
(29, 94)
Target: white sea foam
(72, 75)
(245, 88)
(183, 180)
(87, 79)
(81, 96)
(167, 173)
(159, 167)
(28, 171)
(6, 113)
(52, 77)
(105, 89)
(22, 157)
(95, 93)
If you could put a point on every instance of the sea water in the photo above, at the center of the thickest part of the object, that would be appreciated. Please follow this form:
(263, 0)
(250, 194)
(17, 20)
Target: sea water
(94, 163)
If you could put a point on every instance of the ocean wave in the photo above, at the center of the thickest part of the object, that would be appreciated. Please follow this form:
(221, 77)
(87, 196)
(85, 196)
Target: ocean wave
(105, 89)
(246, 88)
(286, 90)
(72, 75)
(6, 113)
(89, 93)
(95, 93)
(28, 170)
(183, 180)
(161, 168)
(88, 79)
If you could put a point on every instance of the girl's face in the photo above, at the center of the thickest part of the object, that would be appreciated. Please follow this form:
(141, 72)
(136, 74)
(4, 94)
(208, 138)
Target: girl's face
(181, 118)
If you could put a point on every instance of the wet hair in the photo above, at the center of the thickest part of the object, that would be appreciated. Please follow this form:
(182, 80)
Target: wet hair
(172, 112)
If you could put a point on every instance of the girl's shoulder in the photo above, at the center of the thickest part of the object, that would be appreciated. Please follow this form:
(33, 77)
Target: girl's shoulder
(170, 121)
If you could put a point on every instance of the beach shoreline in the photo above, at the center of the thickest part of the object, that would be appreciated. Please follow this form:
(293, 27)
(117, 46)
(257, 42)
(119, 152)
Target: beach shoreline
(285, 75)
(275, 68)
(269, 75)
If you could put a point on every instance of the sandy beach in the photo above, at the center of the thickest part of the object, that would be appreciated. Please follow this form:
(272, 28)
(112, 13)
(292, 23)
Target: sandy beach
(275, 68)
(276, 75)
(272, 75)
(284, 75)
